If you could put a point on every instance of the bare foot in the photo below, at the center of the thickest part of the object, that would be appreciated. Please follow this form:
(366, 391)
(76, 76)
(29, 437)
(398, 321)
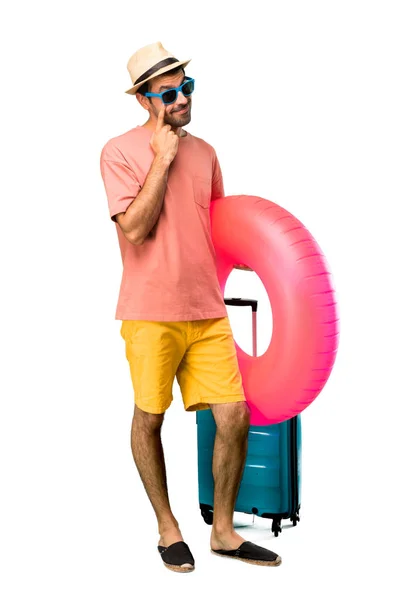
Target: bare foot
(251, 553)
(170, 536)
(167, 538)
(228, 540)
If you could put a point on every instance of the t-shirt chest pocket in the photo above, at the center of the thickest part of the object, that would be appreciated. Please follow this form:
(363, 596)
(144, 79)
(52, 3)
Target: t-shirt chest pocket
(202, 190)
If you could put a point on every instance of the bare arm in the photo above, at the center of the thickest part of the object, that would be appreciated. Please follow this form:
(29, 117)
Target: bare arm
(142, 214)
(219, 192)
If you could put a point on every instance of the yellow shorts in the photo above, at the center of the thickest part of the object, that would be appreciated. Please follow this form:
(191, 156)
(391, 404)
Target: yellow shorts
(201, 354)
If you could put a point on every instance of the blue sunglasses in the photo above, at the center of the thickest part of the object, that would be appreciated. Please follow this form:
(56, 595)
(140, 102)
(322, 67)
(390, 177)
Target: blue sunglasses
(170, 96)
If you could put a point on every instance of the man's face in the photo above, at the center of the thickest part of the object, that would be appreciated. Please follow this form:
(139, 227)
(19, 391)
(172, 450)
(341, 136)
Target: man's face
(174, 115)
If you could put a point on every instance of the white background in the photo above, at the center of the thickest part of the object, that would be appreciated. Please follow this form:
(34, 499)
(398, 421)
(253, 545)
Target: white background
(301, 102)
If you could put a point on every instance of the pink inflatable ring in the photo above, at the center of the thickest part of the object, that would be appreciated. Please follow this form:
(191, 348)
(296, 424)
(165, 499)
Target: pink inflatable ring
(294, 369)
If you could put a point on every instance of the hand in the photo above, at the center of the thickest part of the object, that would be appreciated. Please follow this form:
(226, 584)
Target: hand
(164, 141)
(242, 267)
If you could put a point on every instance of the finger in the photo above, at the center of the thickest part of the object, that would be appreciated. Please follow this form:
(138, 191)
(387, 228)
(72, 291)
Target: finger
(160, 120)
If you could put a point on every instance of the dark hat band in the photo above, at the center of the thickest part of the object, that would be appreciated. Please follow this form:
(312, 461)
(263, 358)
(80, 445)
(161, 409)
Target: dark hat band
(157, 67)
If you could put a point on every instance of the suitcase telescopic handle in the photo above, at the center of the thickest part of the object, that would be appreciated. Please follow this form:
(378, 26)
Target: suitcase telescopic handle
(242, 302)
(253, 304)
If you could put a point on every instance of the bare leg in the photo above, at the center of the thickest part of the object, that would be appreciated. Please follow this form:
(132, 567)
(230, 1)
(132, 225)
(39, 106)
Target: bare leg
(229, 458)
(148, 455)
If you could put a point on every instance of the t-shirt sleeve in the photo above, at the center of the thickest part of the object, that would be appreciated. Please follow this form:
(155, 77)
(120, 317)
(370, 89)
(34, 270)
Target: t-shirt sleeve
(217, 180)
(119, 179)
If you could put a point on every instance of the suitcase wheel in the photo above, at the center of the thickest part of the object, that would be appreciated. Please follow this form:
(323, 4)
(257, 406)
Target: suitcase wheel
(295, 518)
(276, 527)
(207, 515)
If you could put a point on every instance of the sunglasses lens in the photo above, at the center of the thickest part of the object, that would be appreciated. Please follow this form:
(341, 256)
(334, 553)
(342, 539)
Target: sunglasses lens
(188, 88)
(169, 96)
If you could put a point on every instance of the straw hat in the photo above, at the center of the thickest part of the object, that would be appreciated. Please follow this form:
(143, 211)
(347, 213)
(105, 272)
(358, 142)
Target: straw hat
(149, 62)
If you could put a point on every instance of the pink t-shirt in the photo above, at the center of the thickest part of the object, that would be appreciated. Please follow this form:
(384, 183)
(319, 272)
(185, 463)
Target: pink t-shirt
(172, 276)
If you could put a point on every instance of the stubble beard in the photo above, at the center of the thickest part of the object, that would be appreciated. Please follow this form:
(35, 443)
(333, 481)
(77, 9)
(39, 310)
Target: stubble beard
(176, 120)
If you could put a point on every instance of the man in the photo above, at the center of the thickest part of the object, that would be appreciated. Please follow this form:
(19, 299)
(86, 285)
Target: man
(160, 181)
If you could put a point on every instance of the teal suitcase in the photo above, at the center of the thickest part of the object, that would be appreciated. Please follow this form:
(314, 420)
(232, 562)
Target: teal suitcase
(271, 481)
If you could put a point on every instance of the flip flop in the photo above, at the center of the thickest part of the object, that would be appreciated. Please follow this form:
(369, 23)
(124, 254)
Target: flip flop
(177, 557)
(251, 553)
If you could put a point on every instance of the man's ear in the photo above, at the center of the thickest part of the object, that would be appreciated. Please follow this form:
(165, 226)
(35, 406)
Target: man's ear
(143, 101)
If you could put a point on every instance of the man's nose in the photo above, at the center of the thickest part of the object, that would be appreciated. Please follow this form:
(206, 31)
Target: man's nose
(181, 99)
